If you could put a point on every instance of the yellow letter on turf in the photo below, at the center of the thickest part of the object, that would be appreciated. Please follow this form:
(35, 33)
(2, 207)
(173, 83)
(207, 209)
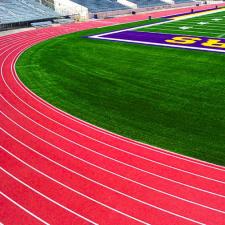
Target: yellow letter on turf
(214, 43)
(184, 40)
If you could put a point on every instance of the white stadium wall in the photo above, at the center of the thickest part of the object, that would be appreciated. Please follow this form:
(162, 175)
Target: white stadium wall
(128, 4)
(67, 7)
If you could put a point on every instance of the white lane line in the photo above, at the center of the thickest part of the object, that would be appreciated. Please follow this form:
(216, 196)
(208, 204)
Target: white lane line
(149, 147)
(73, 190)
(46, 197)
(24, 209)
(77, 192)
(93, 150)
(133, 167)
(110, 172)
(127, 151)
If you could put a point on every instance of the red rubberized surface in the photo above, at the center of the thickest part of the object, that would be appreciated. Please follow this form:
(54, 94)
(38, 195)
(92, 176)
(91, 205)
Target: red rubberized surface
(57, 169)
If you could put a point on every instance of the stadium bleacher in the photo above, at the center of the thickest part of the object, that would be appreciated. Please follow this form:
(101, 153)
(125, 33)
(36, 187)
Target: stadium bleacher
(27, 11)
(101, 5)
(13, 11)
(182, 1)
(147, 3)
(112, 5)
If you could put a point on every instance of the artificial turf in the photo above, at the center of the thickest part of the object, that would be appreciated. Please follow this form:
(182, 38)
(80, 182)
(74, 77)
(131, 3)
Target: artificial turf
(170, 98)
(211, 25)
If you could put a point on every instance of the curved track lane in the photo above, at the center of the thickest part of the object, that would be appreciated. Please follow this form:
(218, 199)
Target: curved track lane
(57, 169)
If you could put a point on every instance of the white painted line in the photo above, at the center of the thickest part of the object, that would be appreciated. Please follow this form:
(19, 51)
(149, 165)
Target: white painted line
(46, 197)
(143, 157)
(141, 170)
(165, 45)
(105, 170)
(73, 190)
(94, 151)
(185, 158)
(24, 209)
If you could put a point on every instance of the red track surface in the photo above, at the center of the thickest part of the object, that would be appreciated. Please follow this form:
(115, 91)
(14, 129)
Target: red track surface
(57, 169)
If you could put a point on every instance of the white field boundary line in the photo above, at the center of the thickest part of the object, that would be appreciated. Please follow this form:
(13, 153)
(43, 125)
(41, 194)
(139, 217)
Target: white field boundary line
(156, 32)
(24, 209)
(107, 132)
(110, 172)
(170, 30)
(149, 147)
(101, 36)
(46, 197)
(121, 149)
(152, 25)
(73, 190)
(133, 167)
(95, 150)
(117, 149)
(164, 45)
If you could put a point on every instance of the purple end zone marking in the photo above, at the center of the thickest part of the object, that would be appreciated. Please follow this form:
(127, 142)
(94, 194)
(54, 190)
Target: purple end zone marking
(161, 39)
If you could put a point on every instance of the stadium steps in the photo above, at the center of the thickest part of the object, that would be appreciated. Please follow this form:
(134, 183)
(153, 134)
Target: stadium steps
(13, 11)
(101, 5)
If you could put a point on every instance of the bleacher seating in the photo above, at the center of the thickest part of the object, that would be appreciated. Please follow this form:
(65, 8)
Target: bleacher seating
(101, 5)
(41, 24)
(182, 1)
(147, 3)
(13, 11)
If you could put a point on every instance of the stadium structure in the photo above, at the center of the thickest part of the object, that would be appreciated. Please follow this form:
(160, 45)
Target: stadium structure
(112, 112)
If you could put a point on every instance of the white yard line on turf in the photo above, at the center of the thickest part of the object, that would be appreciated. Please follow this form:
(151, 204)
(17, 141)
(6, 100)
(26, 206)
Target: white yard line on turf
(156, 24)
(222, 35)
(193, 29)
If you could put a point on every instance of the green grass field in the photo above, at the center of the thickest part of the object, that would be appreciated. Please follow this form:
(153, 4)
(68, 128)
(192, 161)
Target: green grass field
(211, 25)
(171, 98)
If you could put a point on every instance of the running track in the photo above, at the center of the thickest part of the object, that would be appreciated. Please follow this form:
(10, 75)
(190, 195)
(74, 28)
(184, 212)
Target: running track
(57, 169)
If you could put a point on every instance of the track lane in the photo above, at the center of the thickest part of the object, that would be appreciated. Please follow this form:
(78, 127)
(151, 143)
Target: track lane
(157, 197)
(207, 199)
(196, 212)
(32, 200)
(204, 170)
(75, 130)
(140, 165)
(153, 147)
(72, 185)
(13, 213)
